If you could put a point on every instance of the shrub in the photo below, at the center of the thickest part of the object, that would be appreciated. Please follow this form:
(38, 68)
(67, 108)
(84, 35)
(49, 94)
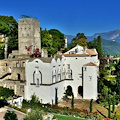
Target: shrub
(10, 115)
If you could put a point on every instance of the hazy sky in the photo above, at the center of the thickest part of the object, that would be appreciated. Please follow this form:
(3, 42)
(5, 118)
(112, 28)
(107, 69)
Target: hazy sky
(68, 16)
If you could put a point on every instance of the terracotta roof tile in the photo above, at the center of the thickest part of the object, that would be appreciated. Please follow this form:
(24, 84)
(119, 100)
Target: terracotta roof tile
(91, 52)
(90, 64)
(76, 55)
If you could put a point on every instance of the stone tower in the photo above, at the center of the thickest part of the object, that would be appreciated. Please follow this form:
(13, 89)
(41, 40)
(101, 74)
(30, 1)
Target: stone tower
(29, 35)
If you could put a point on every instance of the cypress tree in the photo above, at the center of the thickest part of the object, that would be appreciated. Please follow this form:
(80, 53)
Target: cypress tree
(91, 105)
(56, 98)
(99, 46)
(72, 101)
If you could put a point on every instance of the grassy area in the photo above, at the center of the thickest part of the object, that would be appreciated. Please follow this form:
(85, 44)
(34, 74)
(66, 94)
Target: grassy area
(68, 118)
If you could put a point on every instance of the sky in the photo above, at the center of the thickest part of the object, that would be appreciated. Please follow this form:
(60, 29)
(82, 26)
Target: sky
(68, 16)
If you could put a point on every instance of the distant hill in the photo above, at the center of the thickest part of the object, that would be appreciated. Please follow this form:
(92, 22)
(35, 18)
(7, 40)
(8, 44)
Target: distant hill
(111, 35)
(110, 46)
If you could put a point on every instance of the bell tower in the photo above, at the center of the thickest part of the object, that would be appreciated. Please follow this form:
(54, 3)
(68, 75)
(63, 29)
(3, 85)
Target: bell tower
(29, 35)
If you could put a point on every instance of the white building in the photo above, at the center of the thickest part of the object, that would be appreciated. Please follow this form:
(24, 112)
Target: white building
(76, 70)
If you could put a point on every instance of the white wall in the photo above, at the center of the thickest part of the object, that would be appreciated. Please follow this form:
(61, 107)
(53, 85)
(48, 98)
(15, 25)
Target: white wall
(90, 82)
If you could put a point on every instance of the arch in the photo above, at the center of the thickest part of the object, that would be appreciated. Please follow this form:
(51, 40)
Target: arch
(69, 91)
(80, 91)
(37, 78)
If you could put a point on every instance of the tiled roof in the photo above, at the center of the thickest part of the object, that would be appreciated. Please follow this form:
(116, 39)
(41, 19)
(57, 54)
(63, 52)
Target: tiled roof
(90, 64)
(91, 52)
(76, 55)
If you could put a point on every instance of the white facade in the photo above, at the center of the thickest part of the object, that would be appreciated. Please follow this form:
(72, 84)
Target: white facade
(76, 68)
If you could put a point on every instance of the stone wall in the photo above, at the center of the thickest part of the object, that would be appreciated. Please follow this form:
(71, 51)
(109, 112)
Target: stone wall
(29, 35)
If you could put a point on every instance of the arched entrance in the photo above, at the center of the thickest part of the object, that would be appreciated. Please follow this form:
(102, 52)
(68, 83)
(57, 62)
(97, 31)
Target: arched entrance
(80, 91)
(69, 91)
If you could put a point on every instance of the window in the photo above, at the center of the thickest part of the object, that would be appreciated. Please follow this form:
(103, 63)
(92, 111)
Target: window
(37, 81)
(36, 62)
(37, 70)
(90, 78)
(54, 78)
(84, 68)
(68, 66)
(76, 50)
(17, 65)
(23, 64)
(79, 76)
(69, 76)
(28, 35)
(59, 77)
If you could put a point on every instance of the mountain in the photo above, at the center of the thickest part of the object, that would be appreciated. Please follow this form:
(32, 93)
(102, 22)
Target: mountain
(111, 35)
(110, 41)
(110, 47)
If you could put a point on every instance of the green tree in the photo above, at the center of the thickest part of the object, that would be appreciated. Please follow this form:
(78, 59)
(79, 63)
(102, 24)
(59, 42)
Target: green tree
(6, 92)
(72, 101)
(56, 98)
(12, 44)
(4, 28)
(80, 39)
(11, 23)
(9, 27)
(58, 39)
(97, 44)
(90, 45)
(34, 99)
(47, 42)
(10, 115)
(91, 105)
(1, 52)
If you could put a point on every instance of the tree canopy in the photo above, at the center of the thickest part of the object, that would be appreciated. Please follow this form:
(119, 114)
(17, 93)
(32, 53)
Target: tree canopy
(4, 28)
(80, 39)
(8, 27)
(58, 39)
(52, 40)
